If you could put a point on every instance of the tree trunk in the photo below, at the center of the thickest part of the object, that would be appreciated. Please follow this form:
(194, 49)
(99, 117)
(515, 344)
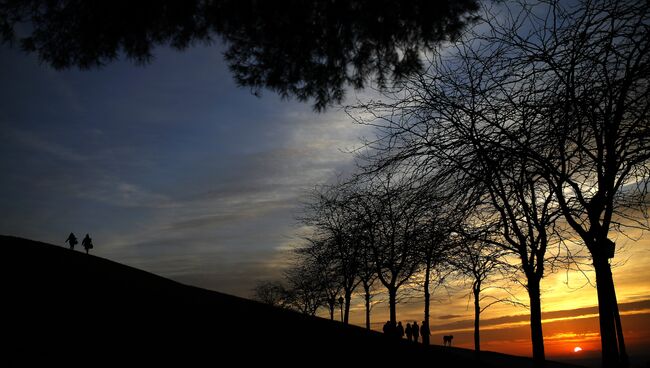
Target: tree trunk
(331, 307)
(392, 304)
(537, 337)
(477, 316)
(346, 315)
(427, 302)
(366, 289)
(625, 362)
(606, 307)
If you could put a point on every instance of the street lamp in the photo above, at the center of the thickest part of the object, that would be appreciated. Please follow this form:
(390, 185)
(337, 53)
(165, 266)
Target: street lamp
(341, 303)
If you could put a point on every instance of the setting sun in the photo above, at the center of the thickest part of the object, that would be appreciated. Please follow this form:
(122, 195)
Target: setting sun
(577, 349)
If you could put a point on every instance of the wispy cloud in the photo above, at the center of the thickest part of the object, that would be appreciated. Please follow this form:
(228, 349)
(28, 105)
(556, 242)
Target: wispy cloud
(451, 316)
(642, 306)
(35, 142)
(115, 192)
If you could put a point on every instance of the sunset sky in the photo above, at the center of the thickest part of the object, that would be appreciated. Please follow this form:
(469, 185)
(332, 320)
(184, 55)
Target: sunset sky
(173, 169)
(569, 305)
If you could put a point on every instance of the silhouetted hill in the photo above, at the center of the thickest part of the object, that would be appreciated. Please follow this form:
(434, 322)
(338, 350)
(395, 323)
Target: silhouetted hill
(68, 308)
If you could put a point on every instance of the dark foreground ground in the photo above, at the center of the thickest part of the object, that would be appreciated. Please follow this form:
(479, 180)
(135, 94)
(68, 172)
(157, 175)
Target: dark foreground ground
(64, 307)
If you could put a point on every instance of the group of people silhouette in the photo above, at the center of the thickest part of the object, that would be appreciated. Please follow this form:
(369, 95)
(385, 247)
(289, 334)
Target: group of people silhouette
(412, 331)
(87, 242)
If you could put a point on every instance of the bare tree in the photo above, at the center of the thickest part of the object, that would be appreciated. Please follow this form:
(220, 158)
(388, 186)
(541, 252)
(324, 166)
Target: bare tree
(328, 212)
(479, 261)
(390, 225)
(272, 293)
(318, 259)
(368, 277)
(440, 212)
(305, 288)
(524, 207)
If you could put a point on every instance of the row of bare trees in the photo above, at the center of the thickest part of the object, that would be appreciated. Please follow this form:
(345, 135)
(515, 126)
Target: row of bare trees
(385, 230)
(542, 111)
(523, 140)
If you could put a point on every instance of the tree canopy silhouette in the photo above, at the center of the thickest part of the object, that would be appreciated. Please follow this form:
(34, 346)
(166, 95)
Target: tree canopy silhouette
(310, 50)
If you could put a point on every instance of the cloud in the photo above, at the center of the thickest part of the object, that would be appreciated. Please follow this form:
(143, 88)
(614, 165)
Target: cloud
(115, 192)
(32, 141)
(450, 316)
(638, 306)
(230, 215)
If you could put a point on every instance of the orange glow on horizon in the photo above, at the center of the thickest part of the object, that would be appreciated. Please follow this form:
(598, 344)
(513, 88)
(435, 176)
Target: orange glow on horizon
(569, 311)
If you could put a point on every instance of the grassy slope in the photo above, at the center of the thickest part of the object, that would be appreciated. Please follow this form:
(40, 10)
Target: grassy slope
(67, 307)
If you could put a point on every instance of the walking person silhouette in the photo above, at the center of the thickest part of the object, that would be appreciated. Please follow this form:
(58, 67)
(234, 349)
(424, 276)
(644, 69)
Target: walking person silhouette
(416, 331)
(409, 332)
(87, 243)
(425, 332)
(72, 240)
(400, 330)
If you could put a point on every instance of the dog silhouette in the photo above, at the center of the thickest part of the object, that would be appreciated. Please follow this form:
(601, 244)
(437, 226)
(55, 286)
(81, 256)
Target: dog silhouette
(447, 339)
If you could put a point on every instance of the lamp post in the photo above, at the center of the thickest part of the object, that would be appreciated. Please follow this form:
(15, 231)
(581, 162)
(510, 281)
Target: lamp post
(341, 303)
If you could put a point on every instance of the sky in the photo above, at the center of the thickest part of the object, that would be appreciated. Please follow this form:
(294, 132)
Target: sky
(170, 167)
(173, 169)
(569, 311)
